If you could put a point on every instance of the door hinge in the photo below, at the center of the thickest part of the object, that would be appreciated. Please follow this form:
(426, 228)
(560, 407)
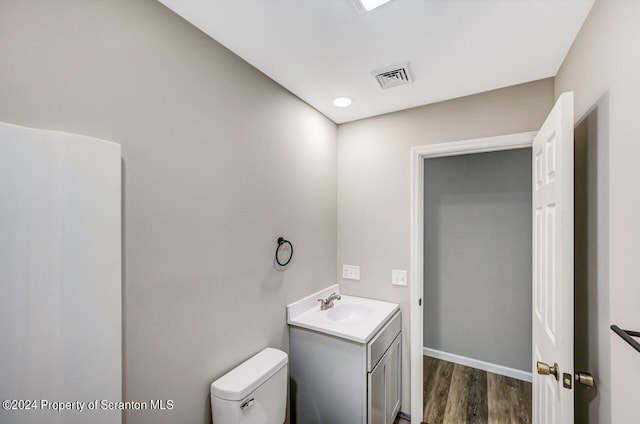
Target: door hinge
(420, 302)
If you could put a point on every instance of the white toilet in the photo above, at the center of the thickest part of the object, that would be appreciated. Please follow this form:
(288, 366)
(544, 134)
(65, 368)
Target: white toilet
(254, 392)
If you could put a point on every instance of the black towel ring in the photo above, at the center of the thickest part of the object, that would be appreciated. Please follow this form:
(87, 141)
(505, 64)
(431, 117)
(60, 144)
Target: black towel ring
(282, 241)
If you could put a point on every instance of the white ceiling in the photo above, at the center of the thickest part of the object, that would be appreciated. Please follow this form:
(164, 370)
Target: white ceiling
(322, 49)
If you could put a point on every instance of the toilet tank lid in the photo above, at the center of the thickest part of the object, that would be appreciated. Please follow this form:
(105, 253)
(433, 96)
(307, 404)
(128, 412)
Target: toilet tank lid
(248, 376)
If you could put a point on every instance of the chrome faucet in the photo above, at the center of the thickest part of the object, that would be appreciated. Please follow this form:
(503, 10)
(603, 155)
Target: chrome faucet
(328, 302)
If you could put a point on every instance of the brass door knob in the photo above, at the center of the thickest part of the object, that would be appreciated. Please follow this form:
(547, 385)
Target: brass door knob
(585, 379)
(545, 369)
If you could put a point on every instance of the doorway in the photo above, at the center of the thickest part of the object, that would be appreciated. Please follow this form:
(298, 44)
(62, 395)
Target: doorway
(592, 316)
(478, 287)
(552, 258)
(521, 141)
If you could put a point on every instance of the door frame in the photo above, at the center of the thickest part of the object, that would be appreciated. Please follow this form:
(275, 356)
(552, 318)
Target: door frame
(418, 154)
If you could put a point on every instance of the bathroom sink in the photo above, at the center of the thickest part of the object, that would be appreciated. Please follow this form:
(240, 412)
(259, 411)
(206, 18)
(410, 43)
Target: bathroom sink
(352, 318)
(348, 312)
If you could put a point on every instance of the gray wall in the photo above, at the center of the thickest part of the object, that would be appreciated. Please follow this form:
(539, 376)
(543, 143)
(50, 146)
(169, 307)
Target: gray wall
(219, 160)
(374, 181)
(477, 247)
(602, 68)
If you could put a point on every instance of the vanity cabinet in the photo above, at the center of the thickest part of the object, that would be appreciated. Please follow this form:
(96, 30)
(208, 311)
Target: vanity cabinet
(340, 381)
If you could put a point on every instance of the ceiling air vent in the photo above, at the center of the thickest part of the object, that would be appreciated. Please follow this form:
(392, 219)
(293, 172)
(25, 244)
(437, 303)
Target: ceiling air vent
(393, 76)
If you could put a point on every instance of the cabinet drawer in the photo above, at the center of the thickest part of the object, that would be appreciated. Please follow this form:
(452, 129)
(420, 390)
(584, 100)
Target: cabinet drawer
(381, 341)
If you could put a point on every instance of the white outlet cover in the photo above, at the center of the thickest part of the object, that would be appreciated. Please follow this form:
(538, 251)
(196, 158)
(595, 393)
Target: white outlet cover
(399, 277)
(351, 272)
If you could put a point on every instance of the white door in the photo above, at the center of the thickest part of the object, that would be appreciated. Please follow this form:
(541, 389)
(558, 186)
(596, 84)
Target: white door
(553, 266)
(60, 275)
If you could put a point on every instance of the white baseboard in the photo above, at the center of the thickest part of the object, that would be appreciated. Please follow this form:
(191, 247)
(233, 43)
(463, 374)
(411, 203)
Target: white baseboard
(478, 364)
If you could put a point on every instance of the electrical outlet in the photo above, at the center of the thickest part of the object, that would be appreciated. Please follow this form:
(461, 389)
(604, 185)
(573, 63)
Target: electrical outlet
(351, 272)
(398, 277)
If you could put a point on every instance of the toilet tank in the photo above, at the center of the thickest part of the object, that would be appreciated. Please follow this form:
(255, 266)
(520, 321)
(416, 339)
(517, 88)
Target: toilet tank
(254, 392)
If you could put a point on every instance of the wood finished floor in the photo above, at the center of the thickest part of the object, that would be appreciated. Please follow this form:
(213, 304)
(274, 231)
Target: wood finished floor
(455, 394)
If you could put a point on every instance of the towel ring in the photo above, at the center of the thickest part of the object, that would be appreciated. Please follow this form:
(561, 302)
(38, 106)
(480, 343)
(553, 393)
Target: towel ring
(282, 241)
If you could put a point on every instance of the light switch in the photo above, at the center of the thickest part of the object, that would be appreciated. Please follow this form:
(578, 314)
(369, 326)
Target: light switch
(398, 277)
(351, 272)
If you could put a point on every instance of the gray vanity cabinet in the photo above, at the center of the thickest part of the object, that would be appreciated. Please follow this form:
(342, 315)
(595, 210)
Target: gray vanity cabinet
(334, 380)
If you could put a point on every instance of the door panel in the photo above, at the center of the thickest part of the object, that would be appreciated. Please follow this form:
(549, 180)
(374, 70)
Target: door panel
(553, 264)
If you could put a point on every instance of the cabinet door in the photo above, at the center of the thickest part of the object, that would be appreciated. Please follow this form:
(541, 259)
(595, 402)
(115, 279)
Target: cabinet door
(385, 386)
(378, 394)
(393, 379)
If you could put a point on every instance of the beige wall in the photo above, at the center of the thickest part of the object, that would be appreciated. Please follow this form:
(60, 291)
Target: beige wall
(374, 180)
(219, 160)
(603, 68)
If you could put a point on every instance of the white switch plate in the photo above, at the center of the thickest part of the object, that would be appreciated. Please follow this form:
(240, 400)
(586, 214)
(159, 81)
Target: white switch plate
(351, 272)
(398, 277)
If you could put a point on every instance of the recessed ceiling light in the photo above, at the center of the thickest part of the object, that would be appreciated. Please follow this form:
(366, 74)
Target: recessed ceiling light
(342, 101)
(368, 5)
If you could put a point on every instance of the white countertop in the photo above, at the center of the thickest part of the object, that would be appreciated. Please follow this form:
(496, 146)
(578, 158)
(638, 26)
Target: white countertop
(306, 313)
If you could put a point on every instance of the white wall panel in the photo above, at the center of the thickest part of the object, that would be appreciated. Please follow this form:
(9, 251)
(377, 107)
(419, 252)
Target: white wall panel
(60, 273)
